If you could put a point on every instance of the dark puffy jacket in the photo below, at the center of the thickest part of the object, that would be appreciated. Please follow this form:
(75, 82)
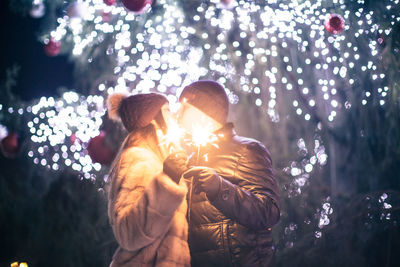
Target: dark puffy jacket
(234, 229)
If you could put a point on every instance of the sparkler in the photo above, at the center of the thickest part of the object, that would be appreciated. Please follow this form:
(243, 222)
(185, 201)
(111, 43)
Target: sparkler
(173, 137)
(202, 136)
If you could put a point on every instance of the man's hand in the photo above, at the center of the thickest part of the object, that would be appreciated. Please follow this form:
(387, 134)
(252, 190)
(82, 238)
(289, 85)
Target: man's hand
(175, 165)
(205, 180)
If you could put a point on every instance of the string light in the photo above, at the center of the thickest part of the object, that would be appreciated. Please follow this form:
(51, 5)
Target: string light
(61, 129)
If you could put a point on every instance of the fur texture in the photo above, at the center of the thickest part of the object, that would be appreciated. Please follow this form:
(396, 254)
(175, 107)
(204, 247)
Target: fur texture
(147, 212)
(113, 105)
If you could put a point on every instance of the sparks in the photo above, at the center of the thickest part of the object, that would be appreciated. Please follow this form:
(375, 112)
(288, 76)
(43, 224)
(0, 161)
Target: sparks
(202, 135)
(173, 137)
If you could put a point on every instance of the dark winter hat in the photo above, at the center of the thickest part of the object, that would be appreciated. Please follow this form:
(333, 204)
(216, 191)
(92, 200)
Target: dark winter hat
(209, 97)
(135, 111)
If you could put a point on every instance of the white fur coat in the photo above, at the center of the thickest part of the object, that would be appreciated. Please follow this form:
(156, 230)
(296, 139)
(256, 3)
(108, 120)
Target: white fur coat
(147, 212)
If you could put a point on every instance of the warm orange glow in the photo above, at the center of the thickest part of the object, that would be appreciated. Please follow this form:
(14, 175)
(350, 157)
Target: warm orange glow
(173, 136)
(202, 135)
(193, 119)
(19, 264)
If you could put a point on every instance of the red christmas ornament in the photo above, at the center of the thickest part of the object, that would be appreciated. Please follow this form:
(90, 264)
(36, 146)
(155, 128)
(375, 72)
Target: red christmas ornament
(334, 23)
(109, 2)
(226, 2)
(10, 145)
(73, 138)
(52, 48)
(106, 16)
(382, 40)
(99, 150)
(137, 5)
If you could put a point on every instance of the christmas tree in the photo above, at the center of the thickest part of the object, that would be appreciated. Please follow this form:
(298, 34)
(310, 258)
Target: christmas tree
(316, 81)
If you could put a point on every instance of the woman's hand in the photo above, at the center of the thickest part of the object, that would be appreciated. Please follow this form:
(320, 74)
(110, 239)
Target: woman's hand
(175, 165)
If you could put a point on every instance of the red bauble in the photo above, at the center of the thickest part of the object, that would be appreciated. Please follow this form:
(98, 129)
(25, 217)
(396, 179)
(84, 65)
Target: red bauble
(52, 48)
(382, 40)
(99, 150)
(10, 145)
(106, 16)
(136, 5)
(110, 2)
(73, 138)
(334, 23)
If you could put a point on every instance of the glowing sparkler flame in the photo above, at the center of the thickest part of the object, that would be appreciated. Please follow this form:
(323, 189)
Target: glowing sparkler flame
(174, 134)
(173, 137)
(202, 135)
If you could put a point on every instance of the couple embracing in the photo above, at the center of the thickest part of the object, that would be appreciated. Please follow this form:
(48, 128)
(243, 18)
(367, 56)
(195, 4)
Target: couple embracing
(211, 208)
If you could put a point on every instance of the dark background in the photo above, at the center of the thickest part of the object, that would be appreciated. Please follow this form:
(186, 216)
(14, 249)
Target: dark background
(45, 221)
(39, 74)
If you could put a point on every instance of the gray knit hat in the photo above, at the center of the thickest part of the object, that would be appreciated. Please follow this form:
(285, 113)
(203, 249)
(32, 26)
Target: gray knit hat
(209, 97)
(135, 111)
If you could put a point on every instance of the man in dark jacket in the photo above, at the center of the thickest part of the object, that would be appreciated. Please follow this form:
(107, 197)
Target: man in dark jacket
(233, 196)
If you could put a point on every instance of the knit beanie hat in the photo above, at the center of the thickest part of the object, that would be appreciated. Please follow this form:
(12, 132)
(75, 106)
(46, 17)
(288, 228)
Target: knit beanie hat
(135, 111)
(209, 97)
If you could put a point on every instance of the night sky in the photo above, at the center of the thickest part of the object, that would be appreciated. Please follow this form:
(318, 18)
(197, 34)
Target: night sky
(39, 74)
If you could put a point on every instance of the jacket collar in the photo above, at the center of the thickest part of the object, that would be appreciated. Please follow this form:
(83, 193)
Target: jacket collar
(226, 132)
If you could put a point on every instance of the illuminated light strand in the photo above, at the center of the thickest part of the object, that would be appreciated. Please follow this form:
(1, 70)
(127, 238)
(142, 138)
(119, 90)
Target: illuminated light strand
(61, 129)
(283, 22)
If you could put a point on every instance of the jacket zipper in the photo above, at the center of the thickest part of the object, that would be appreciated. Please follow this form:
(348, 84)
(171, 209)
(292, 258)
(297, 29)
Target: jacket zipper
(190, 200)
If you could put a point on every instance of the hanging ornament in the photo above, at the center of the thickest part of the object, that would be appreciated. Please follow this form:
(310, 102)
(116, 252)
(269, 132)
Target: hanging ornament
(334, 23)
(52, 47)
(382, 40)
(99, 151)
(106, 16)
(77, 10)
(38, 10)
(73, 138)
(10, 145)
(109, 2)
(226, 4)
(139, 6)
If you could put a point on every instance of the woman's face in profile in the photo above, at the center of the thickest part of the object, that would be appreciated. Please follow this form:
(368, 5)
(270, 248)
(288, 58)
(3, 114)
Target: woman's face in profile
(169, 117)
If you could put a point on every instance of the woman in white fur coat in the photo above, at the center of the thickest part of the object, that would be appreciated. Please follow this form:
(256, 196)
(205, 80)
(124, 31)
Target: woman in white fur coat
(146, 198)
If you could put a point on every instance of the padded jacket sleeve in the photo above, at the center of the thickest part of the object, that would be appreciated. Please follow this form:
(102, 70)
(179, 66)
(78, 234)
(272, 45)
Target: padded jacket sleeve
(254, 201)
